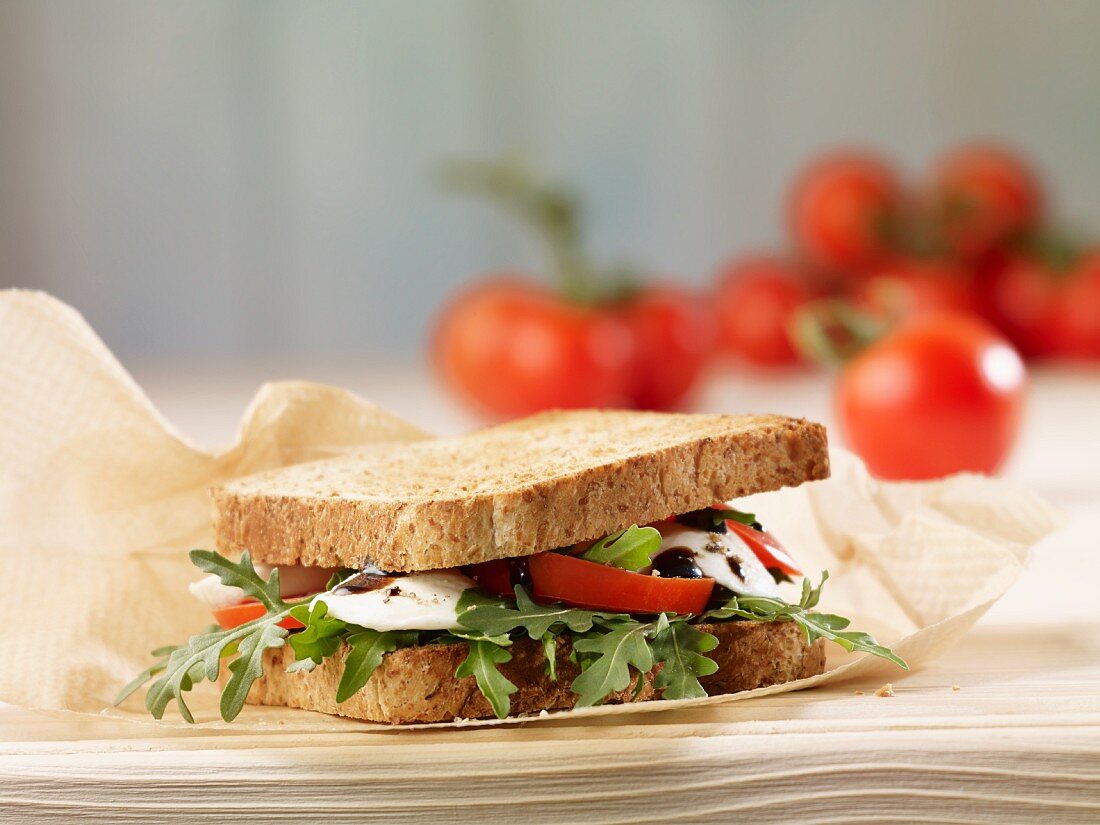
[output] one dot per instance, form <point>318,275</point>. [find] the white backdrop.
<point>209,179</point>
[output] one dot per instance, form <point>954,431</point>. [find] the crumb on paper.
<point>544,713</point>
<point>885,690</point>
<point>860,693</point>
<point>956,688</point>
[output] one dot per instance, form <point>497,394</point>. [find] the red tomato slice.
<point>766,547</point>
<point>494,576</point>
<point>581,583</point>
<point>237,614</point>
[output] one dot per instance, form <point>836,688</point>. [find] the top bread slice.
<point>531,485</point>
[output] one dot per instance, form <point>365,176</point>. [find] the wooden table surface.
<point>1004,728</point>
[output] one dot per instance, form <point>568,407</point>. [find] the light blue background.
<point>210,179</point>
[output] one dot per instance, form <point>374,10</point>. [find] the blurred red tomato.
<point>513,349</point>
<point>983,195</point>
<point>1024,303</point>
<point>1078,310</point>
<point>755,300</point>
<point>906,288</point>
<point>987,270</point>
<point>841,210</point>
<point>674,337</point>
<point>940,395</point>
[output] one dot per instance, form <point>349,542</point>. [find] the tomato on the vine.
<point>755,300</point>
<point>513,349</point>
<point>908,287</point>
<point>842,209</point>
<point>939,395</point>
<point>674,338</point>
<point>983,195</point>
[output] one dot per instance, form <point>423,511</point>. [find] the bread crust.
<point>417,684</point>
<point>520,488</point>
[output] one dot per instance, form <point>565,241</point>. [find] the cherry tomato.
<point>237,614</point>
<point>1078,311</point>
<point>755,300</point>
<point>940,395</point>
<point>767,548</point>
<point>1024,303</point>
<point>983,195</point>
<point>674,336</point>
<point>513,349</point>
<point>581,583</point>
<point>841,210</point>
<point>906,288</point>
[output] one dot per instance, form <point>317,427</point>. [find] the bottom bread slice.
<point>417,684</point>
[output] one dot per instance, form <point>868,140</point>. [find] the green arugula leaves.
<point>201,659</point>
<point>611,650</point>
<point>680,647</point>
<point>730,514</point>
<point>605,645</point>
<point>629,549</point>
<point>368,647</point>
<point>492,616</point>
<point>320,639</point>
<point>815,625</point>
<point>242,575</point>
<point>609,647</point>
<point>607,659</point>
<point>481,663</point>
<point>162,654</point>
<point>248,666</point>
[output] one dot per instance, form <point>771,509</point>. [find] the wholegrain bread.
<point>417,684</point>
<point>520,488</point>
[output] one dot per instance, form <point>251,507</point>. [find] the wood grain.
<point>1019,741</point>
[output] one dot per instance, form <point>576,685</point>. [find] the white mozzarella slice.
<point>210,590</point>
<point>294,580</point>
<point>417,601</point>
<point>723,557</point>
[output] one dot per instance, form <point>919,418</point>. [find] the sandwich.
<point>565,560</point>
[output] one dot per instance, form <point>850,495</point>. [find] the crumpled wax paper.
<point>101,499</point>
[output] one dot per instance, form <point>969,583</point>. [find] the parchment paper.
<point>100,500</point>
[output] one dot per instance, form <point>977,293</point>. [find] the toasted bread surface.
<point>417,684</point>
<point>520,488</point>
